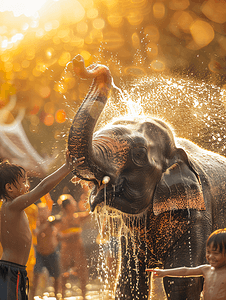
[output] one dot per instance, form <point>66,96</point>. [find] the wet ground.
<point>95,290</point>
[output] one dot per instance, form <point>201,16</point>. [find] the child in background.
<point>72,253</point>
<point>47,252</point>
<point>16,236</point>
<point>214,274</point>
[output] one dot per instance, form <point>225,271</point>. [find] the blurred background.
<point>168,57</point>
<point>138,39</point>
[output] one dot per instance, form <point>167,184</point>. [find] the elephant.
<point>170,191</point>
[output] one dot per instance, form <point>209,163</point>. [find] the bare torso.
<point>46,238</point>
<point>215,284</point>
<point>71,232</point>
<point>15,235</point>
<point>72,249</point>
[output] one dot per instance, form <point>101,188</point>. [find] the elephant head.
<point>140,157</point>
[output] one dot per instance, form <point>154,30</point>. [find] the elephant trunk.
<point>81,131</point>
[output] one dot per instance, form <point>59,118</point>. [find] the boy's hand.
<point>73,163</point>
<point>156,272</point>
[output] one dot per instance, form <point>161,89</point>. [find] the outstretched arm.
<point>47,184</point>
<point>180,272</point>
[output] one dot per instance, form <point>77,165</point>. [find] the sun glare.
<point>27,7</point>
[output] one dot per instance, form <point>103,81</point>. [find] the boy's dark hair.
<point>218,239</point>
<point>9,173</point>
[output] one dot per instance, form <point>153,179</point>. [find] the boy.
<point>214,274</point>
<point>15,231</point>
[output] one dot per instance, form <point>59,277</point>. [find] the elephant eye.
<point>139,156</point>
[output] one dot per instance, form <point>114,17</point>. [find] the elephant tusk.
<point>106,179</point>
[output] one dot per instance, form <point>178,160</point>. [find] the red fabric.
<point>17,285</point>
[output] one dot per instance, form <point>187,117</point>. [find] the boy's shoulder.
<point>4,204</point>
<point>7,206</point>
<point>206,269</point>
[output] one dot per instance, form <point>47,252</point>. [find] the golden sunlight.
<point>27,7</point>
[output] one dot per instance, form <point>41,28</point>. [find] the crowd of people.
<point>59,246</point>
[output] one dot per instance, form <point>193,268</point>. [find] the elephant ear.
<point>179,187</point>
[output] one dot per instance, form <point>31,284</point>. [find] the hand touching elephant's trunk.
<point>81,131</point>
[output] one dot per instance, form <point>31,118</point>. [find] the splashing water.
<point>116,225</point>
<point>196,111</point>
<point>134,108</point>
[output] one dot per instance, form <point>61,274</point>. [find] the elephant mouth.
<point>102,194</point>
<point>115,196</point>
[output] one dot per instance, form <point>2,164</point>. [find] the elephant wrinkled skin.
<point>175,188</point>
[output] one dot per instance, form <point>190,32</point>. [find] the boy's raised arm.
<point>179,272</point>
<point>47,184</point>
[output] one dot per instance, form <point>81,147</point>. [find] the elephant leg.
<point>133,281</point>
<point>187,251</point>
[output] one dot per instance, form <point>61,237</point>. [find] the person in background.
<point>16,236</point>
<point>47,251</point>
<point>72,253</point>
<point>214,274</point>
